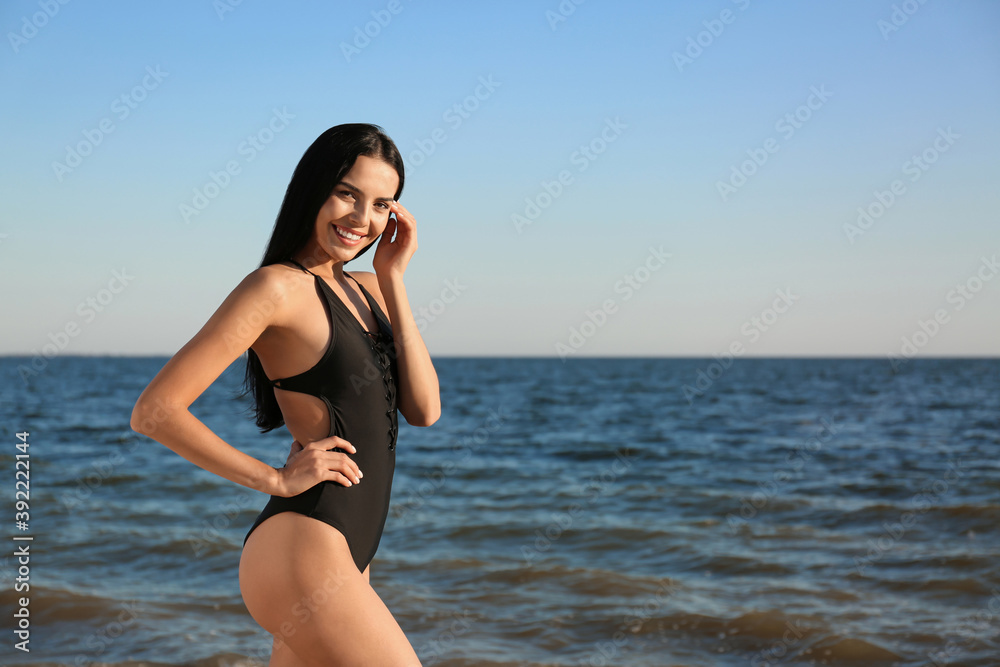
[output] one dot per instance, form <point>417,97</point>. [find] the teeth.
<point>347,235</point>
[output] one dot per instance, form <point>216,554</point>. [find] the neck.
<point>325,267</point>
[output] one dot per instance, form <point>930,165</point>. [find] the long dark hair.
<point>323,165</point>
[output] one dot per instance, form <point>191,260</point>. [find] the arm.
<point>161,411</point>
<point>419,395</point>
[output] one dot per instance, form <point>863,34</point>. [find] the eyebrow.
<point>356,189</point>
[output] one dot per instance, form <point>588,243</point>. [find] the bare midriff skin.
<point>297,576</point>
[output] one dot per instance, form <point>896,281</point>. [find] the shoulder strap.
<point>301,267</point>
<point>372,303</point>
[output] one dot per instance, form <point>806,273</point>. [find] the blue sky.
<point>580,188</point>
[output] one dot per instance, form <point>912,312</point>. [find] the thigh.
<point>282,656</point>
<point>300,583</point>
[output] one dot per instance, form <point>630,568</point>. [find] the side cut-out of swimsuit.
<point>356,379</point>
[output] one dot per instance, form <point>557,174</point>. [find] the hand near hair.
<point>392,256</point>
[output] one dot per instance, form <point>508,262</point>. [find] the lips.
<point>348,236</point>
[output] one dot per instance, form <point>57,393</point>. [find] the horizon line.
<point>539,356</point>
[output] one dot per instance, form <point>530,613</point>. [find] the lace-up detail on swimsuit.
<point>321,378</point>
<point>356,380</point>
<point>381,345</point>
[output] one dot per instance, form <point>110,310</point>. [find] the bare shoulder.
<point>272,285</point>
<point>370,281</point>
<point>254,305</point>
<point>279,272</point>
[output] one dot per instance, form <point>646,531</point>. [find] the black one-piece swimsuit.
<point>356,378</point>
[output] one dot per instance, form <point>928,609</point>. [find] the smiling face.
<point>358,209</point>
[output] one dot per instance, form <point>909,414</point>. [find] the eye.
<point>385,207</point>
<point>346,193</point>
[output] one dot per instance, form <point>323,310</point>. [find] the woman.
<point>332,355</point>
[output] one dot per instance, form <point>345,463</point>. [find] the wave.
<point>770,633</point>
<point>238,660</point>
<point>965,585</point>
<point>588,581</point>
<point>53,605</point>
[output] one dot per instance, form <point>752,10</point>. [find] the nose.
<point>360,215</point>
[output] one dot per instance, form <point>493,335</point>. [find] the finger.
<point>403,215</point>
<point>348,469</point>
<point>390,228</point>
<point>336,441</point>
<point>316,444</point>
<point>339,461</point>
<point>333,466</point>
<point>408,235</point>
<point>341,478</point>
<point>405,230</point>
<point>332,442</point>
<point>405,227</point>
<point>344,478</point>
